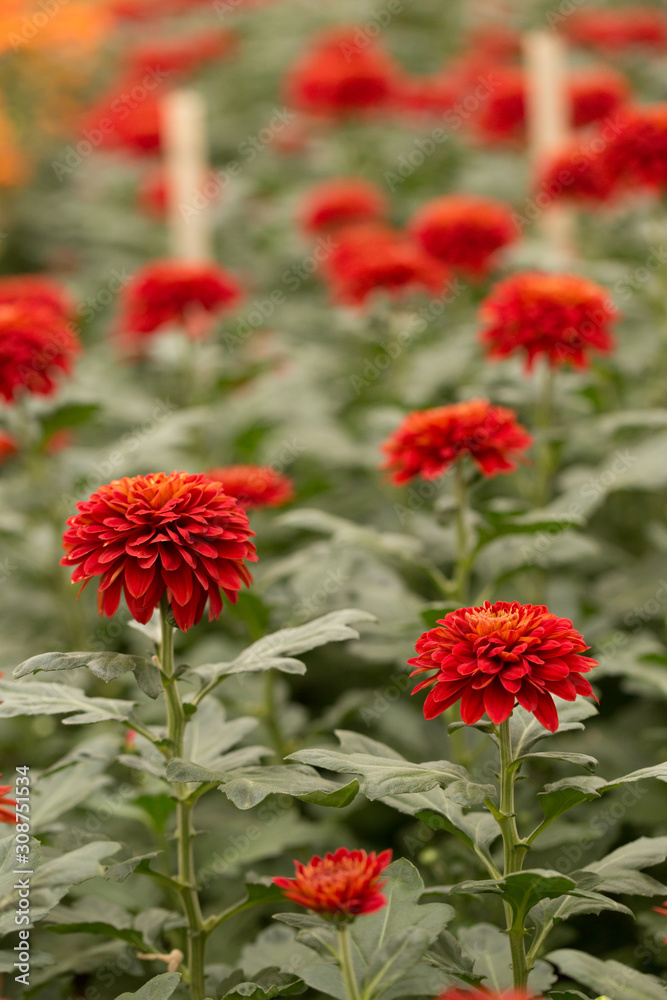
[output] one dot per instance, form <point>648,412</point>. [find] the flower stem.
<point>176,722</point>
<point>462,572</point>
<point>514,852</point>
<point>543,423</point>
<point>346,964</point>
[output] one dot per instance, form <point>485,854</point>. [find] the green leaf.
<point>132,937</point>
<point>68,415</point>
<point>526,730</point>
<point>159,988</point>
<point>582,759</point>
<point>277,651</point>
<point>523,890</point>
<point>658,771</point>
<point>120,871</point>
<point>106,666</point>
<point>269,983</point>
<point>56,793</point>
<point>384,775</point>
<point>400,952</point>
<point>560,796</point>
<point>489,951</point>
<point>570,995</point>
<point>614,978</point>
<point>18,699</point>
<point>619,871</point>
<point>258,893</point>
<point>249,786</point>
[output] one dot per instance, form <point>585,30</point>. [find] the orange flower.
<point>176,535</point>
<point>35,342</point>
<point>372,257</point>
<point>6,814</point>
<point>178,293</point>
<point>615,29</point>
<point>254,485</point>
<point>342,73</point>
<point>428,442</point>
<point>491,657</point>
<point>637,154</point>
<point>341,201</point>
<point>560,316</point>
<point>341,885</point>
<point>464,231</point>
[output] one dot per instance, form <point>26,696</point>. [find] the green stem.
<point>514,852</point>
<point>186,879</point>
<point>346,964</point>
<point>462,572</point>
<point>543,423</point>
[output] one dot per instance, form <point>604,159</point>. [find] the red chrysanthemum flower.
<point>596,93</point>
<point>464,231</point>
<point>37,290</point>
<point>35,343</point>
<point>177,535</point>
<point>343,73</point>
<point>491,657</point>
<point>429,441</point>
<point>576,173</point>
<point>179,55</point>
<point>426,95</point>
<point>254,485</point>
<point>373,257</point>
<point>344,885</point>
<point>154,190</point>
<point>615,29</point>
<point>178,293</point>
<point>501,116</point>
<point>6,814</point>
<point>128,116</point>
<point>8,446</point>
<point>637,154</point>
<point>340,202</point>
<point>561,316</point>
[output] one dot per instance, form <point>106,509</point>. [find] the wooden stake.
<point>188,211</point>
<point>548,123</point>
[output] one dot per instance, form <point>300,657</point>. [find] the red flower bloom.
<point>179,293</point>
<point>501,116</point>
<point>340,202</point>
<point>429,441</point>
<point>147,536</point>
<point>127,116</point>
<point>341,75</point>
<point>495,42</point>
<point>36,290</point>
<point>493,656</point>
<point>464,231</point>
<point>344,884</point>
<point>154,190</point>
<point>179,55</point>
<point>560,316</point>
<point>426,95</point>
<point>637,155</point>
<point>6,814</point>
<point>596,94</point>
<point>35,342</point>
<point>8,446</point>
<point>254,485</point>
<point>372,257</point>
<point>577,173</point>
<point>615,29</point>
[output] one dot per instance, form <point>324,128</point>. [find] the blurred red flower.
<point>560,316</point>
<point>177,535</point>
<point>8,446</point>
<point>576,173</point>
<point>6,814</point>
<point>464,231</point>
<point>428,442</point>
<point>341,201</point>
<point>496,655</point>
<point>344,884</point>
<point>179,55</point>
<point>342,73</point>
<point>38,290</point>
<point>615,29</point>
<point>127,116</point>
<point>636,156</point>
<point>177,293</point>
<point>426,95</point>
<point>596,93</point>
<point>35,343</point>
<point>254,485</point>
<point>373,257</point>
<point>501,115</point>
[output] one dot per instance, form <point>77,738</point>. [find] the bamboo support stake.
<point>548,123</point>
<point>184,134</point>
